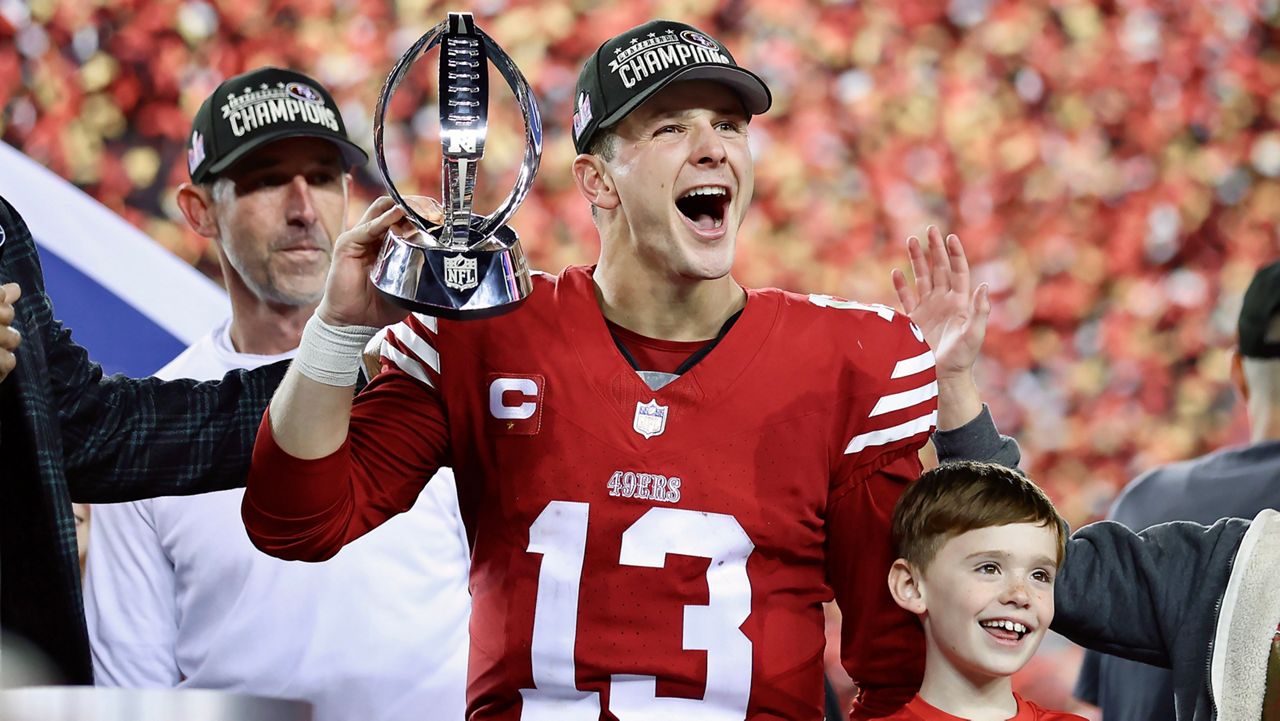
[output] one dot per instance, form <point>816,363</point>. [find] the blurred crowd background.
<point>1112,166</point>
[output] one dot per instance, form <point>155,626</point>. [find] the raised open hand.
<point>953,320</point>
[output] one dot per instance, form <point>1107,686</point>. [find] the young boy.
<point>979,548</point>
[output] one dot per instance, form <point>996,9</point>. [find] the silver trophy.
<point>472,265</point>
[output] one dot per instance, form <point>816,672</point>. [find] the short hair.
<point>604,146</point>
<point>963,496</point>
<point>219,187</point>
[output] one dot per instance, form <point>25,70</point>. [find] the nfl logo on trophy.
<point>460,272</point>
<point>650,420</point>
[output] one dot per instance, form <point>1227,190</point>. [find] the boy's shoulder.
<point>917,709</point>
<point>1029,711</point>
<point>920,710</point>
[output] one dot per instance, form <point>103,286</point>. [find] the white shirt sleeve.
<point>129,599</point>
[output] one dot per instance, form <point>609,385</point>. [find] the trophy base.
<point>421,274</point>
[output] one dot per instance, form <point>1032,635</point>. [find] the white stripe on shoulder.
<point>912,366</point>
<point>416,343</point>
<point>429,321</point>
<point>889,435</point>
<point>905,399</point>
<point>405,363</point>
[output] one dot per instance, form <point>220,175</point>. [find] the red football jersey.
<point>920,710</point>
<point>642,554</point>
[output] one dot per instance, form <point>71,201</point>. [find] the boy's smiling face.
<point>986,599</point>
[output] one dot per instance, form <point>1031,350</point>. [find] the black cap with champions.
<point>259,107</point>
<point>628,69</point>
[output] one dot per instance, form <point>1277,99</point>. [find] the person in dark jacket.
<point>1202,601</point>
<point>67,433</point>
<point>1238,481</point>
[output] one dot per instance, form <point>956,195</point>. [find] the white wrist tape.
<point>331,354</point>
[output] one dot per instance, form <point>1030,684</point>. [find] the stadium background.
<point>1112,167</point>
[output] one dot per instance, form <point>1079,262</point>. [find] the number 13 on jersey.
<point>559,535</point>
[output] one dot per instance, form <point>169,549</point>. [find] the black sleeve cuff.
<point>977,440</point>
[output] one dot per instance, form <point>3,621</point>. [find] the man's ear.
<point>197,208</point>
<point>904,586</point>
<point>591,175</point>
<point>1237,374</point>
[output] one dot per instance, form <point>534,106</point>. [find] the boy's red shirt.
<point>919,710</point>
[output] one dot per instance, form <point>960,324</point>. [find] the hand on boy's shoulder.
<point>920,710</point>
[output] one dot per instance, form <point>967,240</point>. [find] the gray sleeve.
<point>977,440</point>
<point>1138,595</point>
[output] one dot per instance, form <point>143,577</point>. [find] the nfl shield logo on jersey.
<point>651,419</point>
<point>460,272</point>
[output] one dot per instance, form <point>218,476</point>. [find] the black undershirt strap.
<point>693,358</point>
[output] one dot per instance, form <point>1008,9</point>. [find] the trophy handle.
<point>463,122</point>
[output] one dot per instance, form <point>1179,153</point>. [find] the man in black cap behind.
<point>1240,481</point>
<point>664,474</point>
<point>168,579</point>
<point>269,158</point>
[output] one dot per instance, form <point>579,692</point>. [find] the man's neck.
<point>1264,423</point>
<point>262,328</point>
<point>978,699</point>
<point>658,307</point>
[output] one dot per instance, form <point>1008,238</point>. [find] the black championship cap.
<point>260,107</point>
<point>630,68</point>
<point>1258,314</point>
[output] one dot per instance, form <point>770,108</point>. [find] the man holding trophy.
<point>663,474</point>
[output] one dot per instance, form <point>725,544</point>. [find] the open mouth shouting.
<point>1006,631</point>
<point>704,208</point>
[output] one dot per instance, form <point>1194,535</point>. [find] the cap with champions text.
<point>259,107</point>
<point>1260,314</point>
<point>628,69</point>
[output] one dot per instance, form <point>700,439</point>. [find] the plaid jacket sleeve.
<point>124,439</point>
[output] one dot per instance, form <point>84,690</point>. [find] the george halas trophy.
<point>472,265</point>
